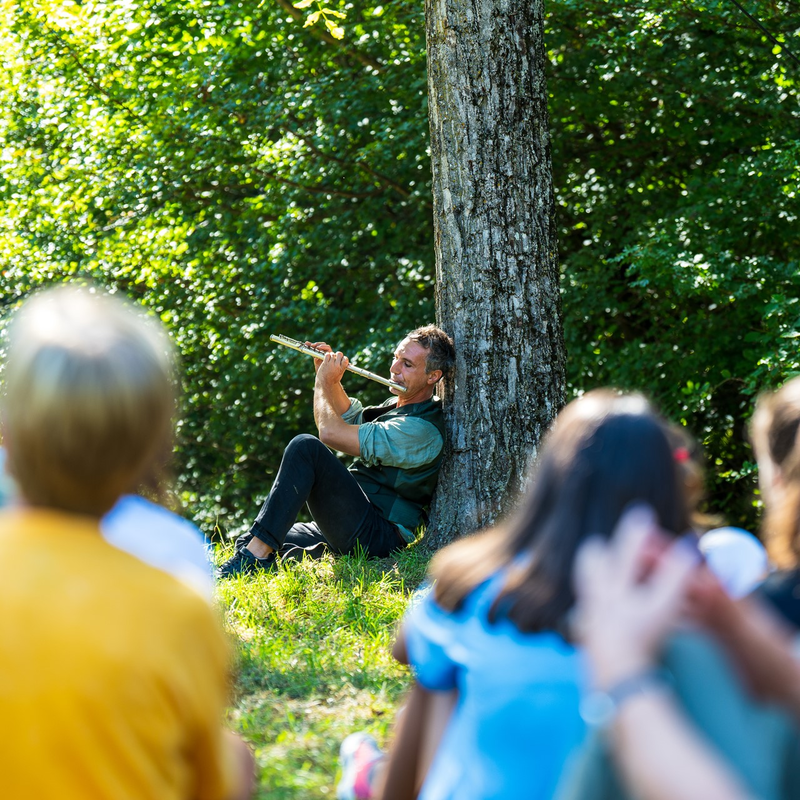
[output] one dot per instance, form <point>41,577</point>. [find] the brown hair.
<point>775,433</point>
<point>89,399</point>
<point>690,463</point>
<point>604,452</point>
<point>441,352</point>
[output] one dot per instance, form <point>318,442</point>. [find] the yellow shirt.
<point>113,675</point>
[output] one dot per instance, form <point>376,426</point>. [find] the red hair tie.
<point>681,454</point>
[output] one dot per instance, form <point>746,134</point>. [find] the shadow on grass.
<point>314,662</point>
<point>408,565</point>
<point>307,673</point>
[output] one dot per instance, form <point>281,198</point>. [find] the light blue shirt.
<point>517,720</point>
<point>405,442</point>
<point>162,539</point>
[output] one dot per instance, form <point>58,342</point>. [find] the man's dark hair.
<point>441,352</point>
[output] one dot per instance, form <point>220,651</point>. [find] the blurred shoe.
<point>243,562</point>
<point>361,759</point>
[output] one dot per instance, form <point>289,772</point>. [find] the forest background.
<point>242,173</point>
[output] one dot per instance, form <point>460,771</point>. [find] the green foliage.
<point>315,664</point>
<point>676,157</point>
<point>238,175</point>
<point>329,16</point>
<point>241,174</point>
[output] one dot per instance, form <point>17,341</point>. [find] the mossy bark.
<point>497,270</point>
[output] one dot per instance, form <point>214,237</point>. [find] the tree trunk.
<point>497,272</point>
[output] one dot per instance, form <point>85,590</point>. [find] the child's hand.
<point>630,595</point>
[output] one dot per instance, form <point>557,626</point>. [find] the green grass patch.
<point>314,662</point>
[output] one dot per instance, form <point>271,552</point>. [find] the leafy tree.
<point>240,174</point>
<point>676,138</point>
<point>497,287</point>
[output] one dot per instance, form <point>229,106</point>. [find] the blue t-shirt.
<point>517,720</point>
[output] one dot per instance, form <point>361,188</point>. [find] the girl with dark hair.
<point>726,725</point>
<point>495,626</point>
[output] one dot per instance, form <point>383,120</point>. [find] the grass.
<point>314,662</point>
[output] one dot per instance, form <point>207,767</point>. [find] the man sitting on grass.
<point>114,674</point>
<point>379,502</point>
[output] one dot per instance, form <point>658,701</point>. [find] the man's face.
<point>408,369</point>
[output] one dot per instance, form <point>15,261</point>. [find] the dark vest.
<point>401,495</point>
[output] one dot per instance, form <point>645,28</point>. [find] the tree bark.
<point>497,271</point>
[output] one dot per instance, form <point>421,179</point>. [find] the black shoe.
<point>243,562</point>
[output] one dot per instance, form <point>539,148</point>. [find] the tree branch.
<point>366,60</point>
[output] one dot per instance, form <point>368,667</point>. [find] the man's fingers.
<point>320,346</point>
<point>331,362</point>
<point>340,359</point>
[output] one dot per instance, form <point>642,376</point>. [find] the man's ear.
<point>434,377</point>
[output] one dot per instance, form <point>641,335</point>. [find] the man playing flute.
<point>380,500</point>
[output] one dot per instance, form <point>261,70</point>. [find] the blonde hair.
<point>775,433</point>
<point>89,399</point>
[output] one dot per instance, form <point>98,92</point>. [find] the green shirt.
<point>399,442</point>
<point>403,442</point>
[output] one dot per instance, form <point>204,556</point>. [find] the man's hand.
<point>330,402</point>
<point>331,369</point>
<point>319,346</point>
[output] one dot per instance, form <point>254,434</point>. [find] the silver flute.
<point>312,351</point>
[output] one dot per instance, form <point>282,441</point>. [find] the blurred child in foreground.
<point>726,725</point>
<point>114,674</point>
<point>151,532</point>
<point>495,628</point>
<point>624,621</point>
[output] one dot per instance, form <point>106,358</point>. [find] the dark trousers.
<point>343,517</point>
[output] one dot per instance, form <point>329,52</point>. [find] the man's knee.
<point>304,445</point>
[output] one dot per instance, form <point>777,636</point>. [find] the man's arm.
<point>330,402</point>
<point>339,398</point>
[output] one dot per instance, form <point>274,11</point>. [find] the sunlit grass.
<point>314,662</point>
